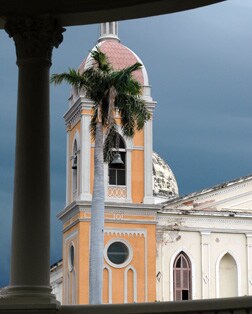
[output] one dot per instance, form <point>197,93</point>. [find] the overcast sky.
<point>199,64</point>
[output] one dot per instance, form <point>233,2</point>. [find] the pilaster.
<point>67,166</point>
<point>249,262</point>
<point>85,189</point>
<point>205,265</point>
<point>148,188</point>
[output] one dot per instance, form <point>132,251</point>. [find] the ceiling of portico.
<point>80,12</point>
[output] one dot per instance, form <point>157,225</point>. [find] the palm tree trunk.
<point>97,222</point>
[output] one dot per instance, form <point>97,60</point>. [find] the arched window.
<point>228,277</point>
<point>182,278</point>
<point>117,171</point>
<point>71,275</point>
<point>74,167</point>
<point>71,258</point>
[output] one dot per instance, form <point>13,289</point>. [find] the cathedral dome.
<point>119,55</point>
<point>164,181</point>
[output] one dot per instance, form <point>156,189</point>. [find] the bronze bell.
<point>117,159</point>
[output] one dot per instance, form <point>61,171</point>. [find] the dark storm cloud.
<point>200,68</point>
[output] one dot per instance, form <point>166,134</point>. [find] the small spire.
<point>109,30</point>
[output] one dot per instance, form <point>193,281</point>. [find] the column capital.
<point>34,38</point>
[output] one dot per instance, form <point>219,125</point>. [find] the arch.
<point>107,284</point>
<point>128,142</point>
<point>75,163</point>
<point>77,139</point>
<point>75,168</point>
<point>132,280</point>
<point>71,274</point>
<point>71,257</point>
<point>171,279</point>
<point>182,277</point>
<point>227,276</point>
<point>117,171</point>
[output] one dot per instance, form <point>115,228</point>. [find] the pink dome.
<point>120,57</point>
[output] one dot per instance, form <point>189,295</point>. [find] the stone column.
<point>30,254</point>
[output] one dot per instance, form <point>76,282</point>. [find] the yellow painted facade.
<point>130,216</point>
<point>134,226</point>
<point>133,282</point>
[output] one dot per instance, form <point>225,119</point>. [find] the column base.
<point>28,295</point>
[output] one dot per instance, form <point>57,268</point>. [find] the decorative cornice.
<point>226,190</point>
<point>34,38</point>
<point>200,224</point>
<point>125,211</point>
<point>110,206</point>
<point>118,210</point>
<point>72,115</point>
<point>150,104</point>
<point>211,214</point>
<point>211,192</point>
<point>124,222</point>
<point>223,201</point>
<point>76,109</point>
<point>125,232</point>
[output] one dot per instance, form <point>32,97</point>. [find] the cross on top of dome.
<point>109,30</point>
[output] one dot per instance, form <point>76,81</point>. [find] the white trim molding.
<point>85,157</point>
<point>110,300</point>
<point>126,284</point>
<point>129,258</point>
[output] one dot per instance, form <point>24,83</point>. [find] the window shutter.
<point>178,279</point>
<point>185,279</point>
<point>182,278</point>
<point>178,295</point>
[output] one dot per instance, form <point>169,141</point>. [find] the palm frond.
<point>111,90</point>
<point>73,78</point>
<point>101,60</point>
<point>133,112</point>
<point>124,82</point>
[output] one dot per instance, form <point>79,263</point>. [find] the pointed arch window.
<point>182,278</point>
<point>74,167</point>
<point>228,273</point>
<point>116,171</point>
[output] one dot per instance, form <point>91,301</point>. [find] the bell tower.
<point>132,182</point>
<point>130,213</point>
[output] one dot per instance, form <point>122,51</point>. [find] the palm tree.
<point>111,91</point>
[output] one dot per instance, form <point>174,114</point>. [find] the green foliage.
<point>111,91</point>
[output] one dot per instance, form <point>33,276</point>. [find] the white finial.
<point>109,30</point>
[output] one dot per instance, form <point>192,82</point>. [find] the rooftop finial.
<point>109,30</point>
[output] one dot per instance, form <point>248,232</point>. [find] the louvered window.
<point>182,282</point>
